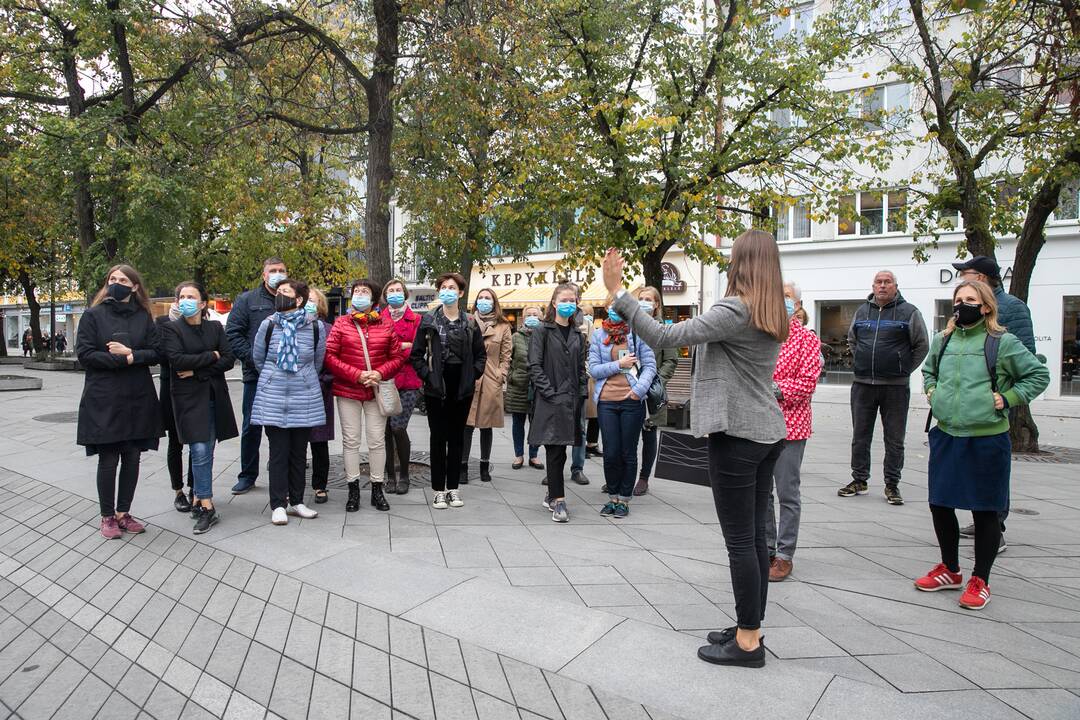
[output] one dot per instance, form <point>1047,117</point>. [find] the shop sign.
<point>672,281</point>
<point>947,275</point>
<point>543,277</point>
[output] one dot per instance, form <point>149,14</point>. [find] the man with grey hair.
<point>888,341</point>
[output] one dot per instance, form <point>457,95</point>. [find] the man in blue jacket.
<point>248,312</point>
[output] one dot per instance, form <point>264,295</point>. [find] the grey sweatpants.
<point>786,479</point>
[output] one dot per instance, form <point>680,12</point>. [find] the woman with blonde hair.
<point>974,373</point>
<point>738,340</point>
<point>486,411</point>
<point>667,361</point>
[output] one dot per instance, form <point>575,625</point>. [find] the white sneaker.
<point>302,510</point>
<point>279,517</point>
<point>439,502</point>
<point>454,499</point>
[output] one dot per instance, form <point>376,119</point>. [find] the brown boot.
<point>780,569</point>
<point>642,486</point>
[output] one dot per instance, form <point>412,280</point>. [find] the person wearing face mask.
<point>974,373</point>
<point>557,352</point>
<point>119,413</point>
<point>519,390</point>
<point>248,312</point>
<point>288,354</point>
<point>449,357</point>
<point>398,315</point>
<point>174,457</point>
<point>362,350</point>
<point>321,436</point>
<point>667,361</point>
<point>486,411</point>
<point>199,354</point>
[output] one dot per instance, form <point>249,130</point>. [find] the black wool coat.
<point>560,385</point>
<point>192,347</point>
<point>119,401</point>
<point>165,394</point>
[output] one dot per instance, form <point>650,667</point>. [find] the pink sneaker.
<point>129,524</point>
<point>110,530</point>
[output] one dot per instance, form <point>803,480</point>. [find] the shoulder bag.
<point>386,394</point>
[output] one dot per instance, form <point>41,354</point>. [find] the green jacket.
<point>962,401</point>
<point>516,398</point>
<point>667,360</point>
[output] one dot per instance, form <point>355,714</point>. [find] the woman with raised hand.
<point>321,436</point>
<point>199,356</point>
<point>738,340</point>
<point>288,354</point>
<point>519,388</point>
<point>119,413</point>
<point>667,361</point>
<point>397,313</point>
<point>486,411</point>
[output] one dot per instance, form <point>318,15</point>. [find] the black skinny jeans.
<point>556,462</point>
<point>487,435</point>
<point>174,458</point>
<point>114,496</point>
<point>987,539</point>
<point>740,472</point>
<point>446,422</point>
<point>650,440</point>
<point>288,455</point>
<point>397,441</point>
<point>592,432</point>
<point>320,464</point>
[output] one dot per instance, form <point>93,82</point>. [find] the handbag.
<point>656,397</point>
<point>386,394</point>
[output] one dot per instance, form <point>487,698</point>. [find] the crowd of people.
<point>574,385</point>
<point>51,343</point>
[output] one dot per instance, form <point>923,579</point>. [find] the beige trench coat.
<point>487,405</point>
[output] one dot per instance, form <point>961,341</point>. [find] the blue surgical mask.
<point>566,309</point>
<point>790,305</point>
<point>589,320</point>
<point>484,306</point>
<point>361,302</point>
<point>532,321</point>
<point>448,296</point>
<point>614,316</point>
<point>275,279</point>
<point>646,306</point>
<point>188,307</point>
<point>396,299</point>
<point>311,308</point>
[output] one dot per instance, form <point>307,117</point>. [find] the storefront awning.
<point>595,295</point>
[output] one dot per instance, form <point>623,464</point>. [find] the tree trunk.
<point>654,274</point>
<point>380,173</point>
<point>80,174</point>
<point>29,290</point>
<point>1023,432</point>
<point>466,263</point>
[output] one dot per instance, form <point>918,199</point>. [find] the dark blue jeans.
<point>250,438</point>
<point>518,431</point>
<point>620,428</point>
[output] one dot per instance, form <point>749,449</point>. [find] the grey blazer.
<point>731,389</point>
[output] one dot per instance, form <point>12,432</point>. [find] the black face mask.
<point>119,292</point>
<point>284,303</point>
<point>967,315</point>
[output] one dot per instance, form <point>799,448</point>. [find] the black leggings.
<point>174,458</point>
<point>320,464</point>
<point>987,539</point>
<point>487,435</point>
<point>113,497</point>
<point>397,441</point>
<point>592,432</point>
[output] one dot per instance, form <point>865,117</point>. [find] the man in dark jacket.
<point>248,312</point>
<point>1013,313</point>
<point>888,340</point>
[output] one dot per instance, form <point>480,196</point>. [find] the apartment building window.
<point>872,213</point>
<point>881,104</point>
<point>792,221</point>
<point>1069,202</point>
<point>798,20</point>
<point>886,16</point>
<point>786,117</point>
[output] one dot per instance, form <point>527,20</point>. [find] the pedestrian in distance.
<point>667,361</point>
<point>486,411</point>
<point>321,436</point>
<point>119,413</point>
<point>397,313</point>
<point>519,389</point>
<point>975,372</point>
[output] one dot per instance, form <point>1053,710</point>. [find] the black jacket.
<point>560,384</point>
<point>426,357</point>
<point>191,347</point>
<point>165,394</point>
<point>247,314</point>
<point>119,401</point>
<point>888,343</point>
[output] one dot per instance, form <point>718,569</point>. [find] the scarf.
<point>288,356</point>
<point>396,313</point>
<point>366,318</point>
<point>488,318</point>
<point>616,332</point>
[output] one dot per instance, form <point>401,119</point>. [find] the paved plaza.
<point>493,611</point>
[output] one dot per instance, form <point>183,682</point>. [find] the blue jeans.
<point>250,439</point>
<point>620,427</point>
<point>202,463</point>
<point>518,432</point>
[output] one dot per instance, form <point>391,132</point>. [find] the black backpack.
<point>990,353</point>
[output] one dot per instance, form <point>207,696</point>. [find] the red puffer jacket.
<point>345,354</point>
<point>406,329</point>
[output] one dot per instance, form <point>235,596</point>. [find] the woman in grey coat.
<point>288,353</point>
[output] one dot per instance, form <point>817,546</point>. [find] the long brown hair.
<point>658,310</point>
<point>754,276</point>
<point>497,308</point>
<point>549,313</point>
<point>986,297</point>
<point>141,296</point>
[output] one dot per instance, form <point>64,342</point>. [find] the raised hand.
<point>613,270</point>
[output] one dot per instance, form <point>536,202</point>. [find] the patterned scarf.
<point>366,318</point>
<point>616,332</point>
<point>288,356</point>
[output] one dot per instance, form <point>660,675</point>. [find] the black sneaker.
<point>579,478</point>
<point>181,503</point>
<point>730,653</point>
<point>968,531</point>
<point>855,487</point>
<point>719,637</point>
<point>892,494</point>
<point>206,520</point>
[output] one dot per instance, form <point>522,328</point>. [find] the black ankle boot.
<point>353,503</point>
<point>463,479</point>
<point>402,486</point>
<point>389,481</point>
<point>378,500</point>
<point>485,471</point>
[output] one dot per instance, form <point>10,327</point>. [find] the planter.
<point>62,364</point>
<point>15,383</point>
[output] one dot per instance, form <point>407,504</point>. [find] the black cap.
<point>981,264</point>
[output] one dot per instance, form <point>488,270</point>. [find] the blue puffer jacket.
<point>1015,316</point>
<point>601,366</point>
<point>283,399</point>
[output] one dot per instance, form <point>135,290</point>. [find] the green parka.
<point>516,399</point>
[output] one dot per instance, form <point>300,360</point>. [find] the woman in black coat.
<point>119,415</point>
<point>174,456</point>
<point>199,356</point>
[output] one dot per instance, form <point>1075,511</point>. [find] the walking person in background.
<point>486,411</point>
<point>248,312</point>
<point>362,351</point>
<point>975,372</point>
<point>317,307</point>
<point>519,388</point>
<point>667,361</point>
<point>623,367</point>
<point>738,341</point>
<point>888,340</point>
<point>405,322</point>
<point>449,357</point>
<point>198,353</point>
<point>119,413</point>
<point>797,369</point>
<point>288,354</point>
<point>557,352</point>
<point>27,343</point>
<point>174,454</point>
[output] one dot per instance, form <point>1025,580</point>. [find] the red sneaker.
<point>130,524</point>
<point>940,578</point>
<point>109,529</point>
<point>976,595</point>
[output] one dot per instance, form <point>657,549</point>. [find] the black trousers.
<point>740,472</point>
<point>320,464</point>
<point>397,441</point>
<point>592,431</point>
<point>174,458</point>
<point>487,436</point>
<point>987,539</point>
<point>115,494</point>
<point>446,421</point>
<point>288,455</point>
<point>555,455</point>
<point>867,402</point>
